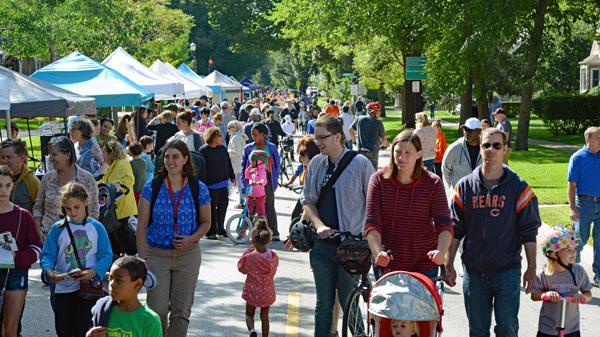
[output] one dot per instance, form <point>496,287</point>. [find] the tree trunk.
<point>535,46</point>
<point>466,98</point>
<point>481,93</point>
<point>381,98</point>
<point>52,50</point>
<point>409,105</point>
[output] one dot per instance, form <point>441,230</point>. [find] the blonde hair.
<point>76,191</point>
<point>211,134</point>
<point>115,148</point>
<point>421,119</point>
<point>166,115</point>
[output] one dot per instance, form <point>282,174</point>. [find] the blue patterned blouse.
<point>160,231</point>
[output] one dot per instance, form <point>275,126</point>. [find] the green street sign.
<point>347,74</point>
<point>416,60</point>
<point>415,68</point>
<point>415,75</point>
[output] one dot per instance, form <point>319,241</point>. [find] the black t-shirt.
<point>293,113</point>
<point>359,106</point>
<point>163,132</point>
<point>473,154</point>
<point>244,116</point>
<point>275,131</point>
<point>218,166</point>
<point>328,207</point>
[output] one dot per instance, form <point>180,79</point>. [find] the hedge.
<point>511,108</point>
<point>568,114</point>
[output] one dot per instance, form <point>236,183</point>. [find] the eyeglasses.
<point>323,137</point>
<point>496,146</point>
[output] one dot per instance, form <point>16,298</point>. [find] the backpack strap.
<point>197,141</point>
<point>195,193</point>
<point>156,183</point>
<point>346,159</point>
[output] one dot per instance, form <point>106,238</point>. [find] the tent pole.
<point>8,133</point>
<point>30,141</point>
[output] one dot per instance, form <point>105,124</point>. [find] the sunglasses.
<point>496,146</point>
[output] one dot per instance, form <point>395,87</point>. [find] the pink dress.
<point>260,268</point>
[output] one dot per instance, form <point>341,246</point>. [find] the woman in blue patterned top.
<point>168,239</point>
<point>89,155</point>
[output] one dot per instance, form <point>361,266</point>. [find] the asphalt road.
<point>219,309</point>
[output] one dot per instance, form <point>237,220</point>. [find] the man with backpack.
<point>191,138</point>
<point>334,199</point>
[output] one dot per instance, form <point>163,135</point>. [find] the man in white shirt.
<point>191,138</point>
<point>288,126</point>
<point>348,120</point>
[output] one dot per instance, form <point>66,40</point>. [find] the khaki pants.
<point>173,297</point>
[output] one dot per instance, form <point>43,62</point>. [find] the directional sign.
<point>415,68</point>
<point>347,74</point>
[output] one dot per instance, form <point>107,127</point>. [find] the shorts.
<point>17,279</point>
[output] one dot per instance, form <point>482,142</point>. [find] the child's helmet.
<point>260,155</point>
<point>559,238</point>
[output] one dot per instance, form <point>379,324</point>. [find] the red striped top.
<point>409,218</point>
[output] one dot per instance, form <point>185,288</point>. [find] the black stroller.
<point>121,235</point>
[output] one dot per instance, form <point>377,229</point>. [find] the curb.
<point>587,254</point>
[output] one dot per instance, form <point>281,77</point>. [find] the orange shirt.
<point>440,146</point>
<point>332,110</point>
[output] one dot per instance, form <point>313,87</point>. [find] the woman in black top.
<point>274,128</point>
<point>164,130</point>
<point>219,173</point>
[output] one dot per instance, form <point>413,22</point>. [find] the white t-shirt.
<point>288,128</point>
<point>188,139</point>
<point>348,119</point>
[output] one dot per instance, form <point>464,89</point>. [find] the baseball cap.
<point>499,111</point>
<point>255,111</point>
<point>472,123</point>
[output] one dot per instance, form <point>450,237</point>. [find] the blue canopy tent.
<point>187,71</point>
<point>247,82</point>
<point>85,76</point>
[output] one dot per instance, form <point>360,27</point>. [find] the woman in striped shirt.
<point>407,212</point>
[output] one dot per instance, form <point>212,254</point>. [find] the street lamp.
<point>193,50</point>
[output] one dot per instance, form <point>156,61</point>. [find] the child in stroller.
<point>406,304</point>
<point>122,238</point>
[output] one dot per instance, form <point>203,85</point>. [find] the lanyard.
<point>175,206</point>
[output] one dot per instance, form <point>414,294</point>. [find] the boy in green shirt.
<point>121,314</point>
<point>138,165</point>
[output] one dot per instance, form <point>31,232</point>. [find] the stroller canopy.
<point>407,296</point>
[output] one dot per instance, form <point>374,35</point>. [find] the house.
<point>589,69</point>
<point>26,66</point>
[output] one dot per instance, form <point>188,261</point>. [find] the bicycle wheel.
<point>284,176</point>
<point>238,228</point>
<point>355,316</point>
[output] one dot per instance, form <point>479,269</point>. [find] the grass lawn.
<point>544,169</point>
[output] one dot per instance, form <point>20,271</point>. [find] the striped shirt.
<point>409,218</point>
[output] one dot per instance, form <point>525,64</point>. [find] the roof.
<point>85,76</point>
<point>193,89</point>
<point>134,70</point>
<point>594,57</point>
<point>32,98</point>
<point>218,79</point>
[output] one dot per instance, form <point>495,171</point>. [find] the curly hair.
<point>115,148</point>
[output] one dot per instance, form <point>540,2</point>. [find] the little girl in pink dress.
<point>256,174</point>
<point>259,264</point>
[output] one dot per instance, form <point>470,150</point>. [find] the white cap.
<point>472,123</point>
<point>288,118</point>
<point>255,111</point>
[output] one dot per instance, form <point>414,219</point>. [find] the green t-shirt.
<point>142,322</point>
<point>139,172</point>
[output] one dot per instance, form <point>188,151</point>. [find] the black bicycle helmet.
<point>303,235</point>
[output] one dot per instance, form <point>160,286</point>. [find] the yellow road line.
<point>293,315</point>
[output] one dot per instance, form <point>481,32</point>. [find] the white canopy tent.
<point>222,84</point>
<point>191,89</point>
<point>5,100</point>
<point>162,87</point>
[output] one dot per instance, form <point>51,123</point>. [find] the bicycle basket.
<point>354,255</point>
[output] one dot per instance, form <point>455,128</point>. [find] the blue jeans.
<point>589,211</point>
<point>328,275</point>
<point>429,165</point>
<point>498,292</point>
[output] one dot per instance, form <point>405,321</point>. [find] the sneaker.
<point>222,233</point>
<point>212,237</point>
<point>238,206</point>
<point>253,333</point>
<point>276,238</point>
<point>596,283</point>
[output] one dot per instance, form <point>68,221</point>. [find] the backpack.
<point>197,141</point>
<point>193,183</point>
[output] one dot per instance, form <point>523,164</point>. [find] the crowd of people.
<point>176,165</point>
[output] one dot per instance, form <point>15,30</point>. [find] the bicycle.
<point>294,188</point>
<point>239,226</point>
<point>286,154</point>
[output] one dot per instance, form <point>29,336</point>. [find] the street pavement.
<point>219,309</point>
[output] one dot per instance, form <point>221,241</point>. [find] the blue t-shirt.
<point>583,171</point>
<point>149,166</point>
<point>310,127</point>
<point>160,232</point>
<point>299,170</point>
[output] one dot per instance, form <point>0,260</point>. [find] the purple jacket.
<point>274,163</point>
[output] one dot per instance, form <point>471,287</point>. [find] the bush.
<point>511,108</point>
<point>568,114</point>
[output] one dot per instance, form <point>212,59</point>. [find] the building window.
<point>582,79</point>
<point>595,77</point>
